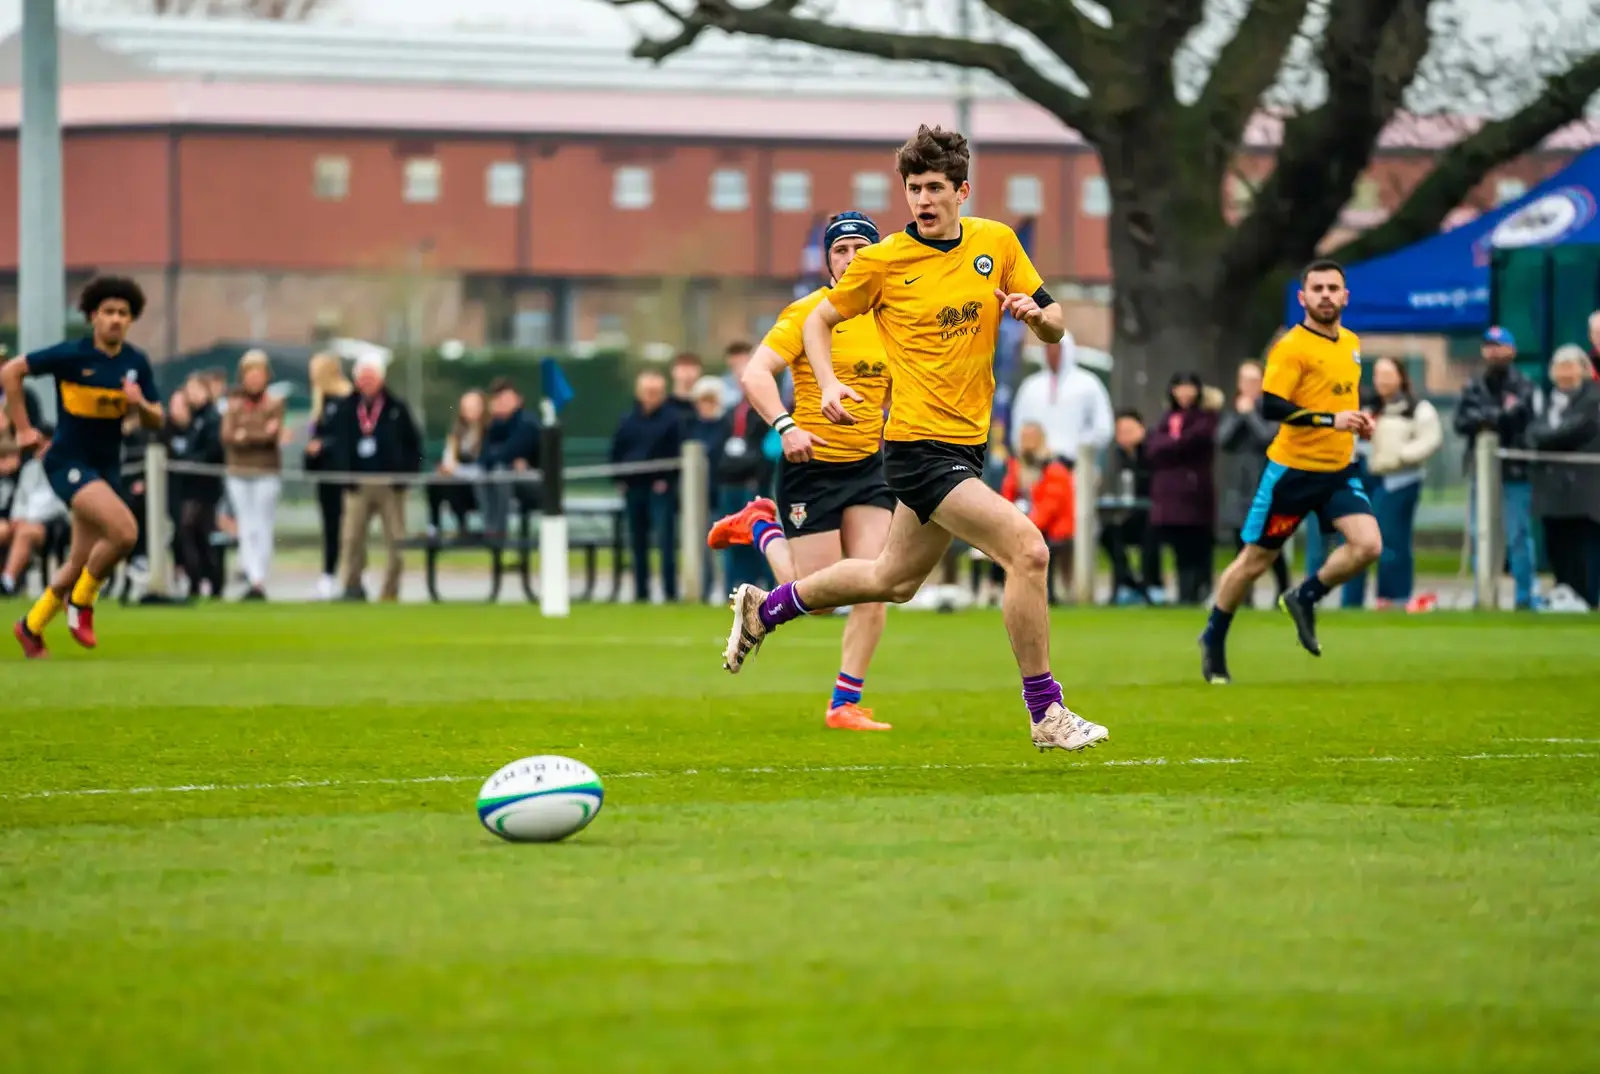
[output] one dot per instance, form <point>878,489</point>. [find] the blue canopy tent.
<point>1442,284</point>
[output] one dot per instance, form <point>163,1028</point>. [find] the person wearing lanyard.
<point>832,497</point>
<point>374,434</point>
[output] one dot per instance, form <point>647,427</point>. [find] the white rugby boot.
<point>748,630</point>
<point>1063,729</point>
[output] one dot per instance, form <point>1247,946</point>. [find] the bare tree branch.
<point>776,20</point>
<point>1061,28</point>
<point>1247,67</point>
<point>1167,23</point>
<point>1371,51</point>
<point>1464,165</point>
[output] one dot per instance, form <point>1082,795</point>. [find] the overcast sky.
<point>1506,23</point>
<point>1486,15</point>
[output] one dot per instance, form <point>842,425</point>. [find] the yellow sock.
<point>87,589</point>
<point>44,609</point>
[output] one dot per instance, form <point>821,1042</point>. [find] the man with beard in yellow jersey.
<point>832,499</point>
<point>937,291</point>
<point>1311,386</point>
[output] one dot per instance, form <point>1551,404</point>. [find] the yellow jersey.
<point>1319,373</point>
<point>939,319</point>
<point>858,361</point>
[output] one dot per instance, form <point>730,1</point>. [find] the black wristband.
<point>783,423</point>
<point>1277,408</point>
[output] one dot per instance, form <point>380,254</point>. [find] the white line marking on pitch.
<point>200,788</point>
<point>1459,757</point>
<point>307,784</point>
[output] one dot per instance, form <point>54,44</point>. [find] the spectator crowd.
<point>1175,485</point>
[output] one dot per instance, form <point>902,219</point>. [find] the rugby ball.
<point>540,799</point>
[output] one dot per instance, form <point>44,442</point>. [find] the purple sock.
<point>782,605</point>
<point>1039,692</point>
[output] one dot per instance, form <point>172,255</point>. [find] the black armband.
<point>1277,408</point>
<point>1041,298</point>
<point>783,423</point>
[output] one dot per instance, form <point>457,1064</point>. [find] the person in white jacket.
<point>1407,433</point>
<point>1068,402</point>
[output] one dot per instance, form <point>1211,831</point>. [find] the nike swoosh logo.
<point>912,279</point>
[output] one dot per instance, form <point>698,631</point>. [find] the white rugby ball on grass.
<point>540,799</point>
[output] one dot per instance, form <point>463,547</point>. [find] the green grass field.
<point>243,839</point>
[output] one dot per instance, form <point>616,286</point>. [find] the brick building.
<point>269,181</point>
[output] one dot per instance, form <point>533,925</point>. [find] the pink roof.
<point>576,111</point>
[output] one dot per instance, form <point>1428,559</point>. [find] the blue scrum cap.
<point>849,225</point>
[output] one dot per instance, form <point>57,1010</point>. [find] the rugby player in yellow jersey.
<point>1312,379</point>
<point>832,499</point>
<point>937,291</point>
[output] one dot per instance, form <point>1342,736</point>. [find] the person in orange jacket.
<point>1042,488</point>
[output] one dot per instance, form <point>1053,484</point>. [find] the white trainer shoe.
<point>748,630</point>
<point>1063,729</point>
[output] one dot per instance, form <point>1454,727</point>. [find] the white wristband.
<point>783,423</point>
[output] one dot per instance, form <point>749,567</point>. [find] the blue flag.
<point>553,384</point>
<point>1008,351</point>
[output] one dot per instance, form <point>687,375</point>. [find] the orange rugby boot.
<point>852,717</point>
<point>736,528</point>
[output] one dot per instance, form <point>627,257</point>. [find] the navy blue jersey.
<point>90,398</point>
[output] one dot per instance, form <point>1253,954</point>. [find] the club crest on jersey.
<point>983,264</point>
<point>797,514</point>
<point>1356,354</point>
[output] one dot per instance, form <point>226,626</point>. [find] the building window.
<point>730,190</point>
<point>870,192</point>
<point>791,192</point>
<point>531,329</point>
<point>330,178</point>
<point>503,183</point>
<point>422,180</point>
<point>1024,195</point>
<point>1096,197</point>
<point>631,188</point>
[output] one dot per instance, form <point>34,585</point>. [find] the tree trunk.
<point>1165,318</point>
<point>1255,317</point>
<point>1166,235</point>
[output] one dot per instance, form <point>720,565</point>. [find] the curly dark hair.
<point>102,289</point>
<point>934,149</point>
